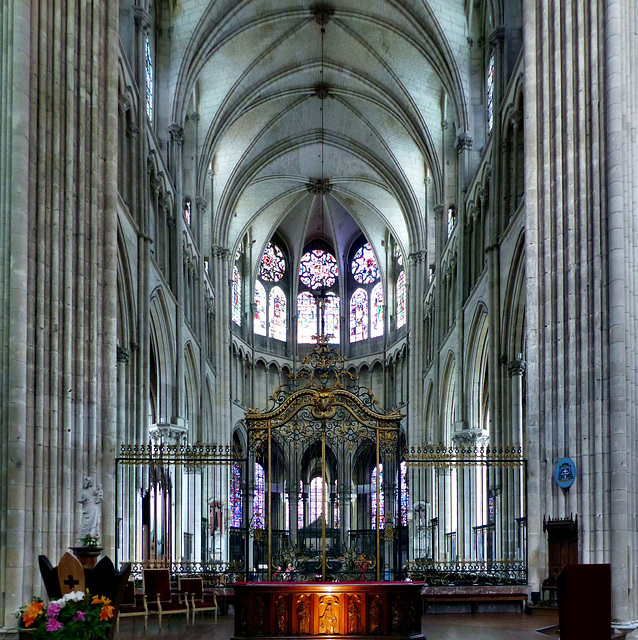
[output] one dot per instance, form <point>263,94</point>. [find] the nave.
<point>497,626</point>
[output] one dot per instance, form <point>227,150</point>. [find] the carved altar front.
<point>304,609</point>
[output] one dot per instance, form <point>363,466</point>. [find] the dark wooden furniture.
<point>132,605</point>
<point>474,596</point>
<point>102,580</point>
<point>562,549</point>
<point>198,600</point>
<point>158,596</point>
<point>356,609</point>
<point>584,602</point>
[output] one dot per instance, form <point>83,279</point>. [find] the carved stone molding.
<point>201,205</point>
<point>438,211</point>
<point>177,133</point>
<point>123,354</point>
<point>133,131</point>
<point>470,438</point>
<point>142,18</point>
<point>123,103</point>
<point>464,142</point>
<point>497,36</point>
<point>166,433</point>
<point>516,367</point>
<point>319,186</point>
<point>322,14</point>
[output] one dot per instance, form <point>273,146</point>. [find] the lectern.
<point>584,602</point>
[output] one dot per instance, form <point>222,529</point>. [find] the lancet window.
<point>236,504</point>
<point>236,311</point>
<point>489,94</point>
<point>149,79</point>
<point>270,300</point>
<point>318,307</point>
<point>377,506</point>
<point>367,303</point>
<point>259,498</point>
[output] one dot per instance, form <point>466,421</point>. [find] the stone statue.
<point>91,500</point>
<point>303,616</point>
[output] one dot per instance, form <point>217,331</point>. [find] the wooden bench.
<point>474,596</point>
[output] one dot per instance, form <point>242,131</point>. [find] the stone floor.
<point>482,626</point>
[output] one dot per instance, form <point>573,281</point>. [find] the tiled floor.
<point>497,626</point>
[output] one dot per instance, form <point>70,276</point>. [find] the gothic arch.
<point>162,341</point>
<point>477,371</point>
<point>448,401</point>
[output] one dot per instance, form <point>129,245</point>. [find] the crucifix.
<point>322,297</point>
<point>71,582</point>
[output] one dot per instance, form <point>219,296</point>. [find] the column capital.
<point>201,204</point>
<point>497,36</point>
<point>517,366</point>
<point>176,133</point>
<point>142,18</point>
<point>464,142</point>
<point>438,210</point>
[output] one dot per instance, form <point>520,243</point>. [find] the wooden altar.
<point>305,609</point>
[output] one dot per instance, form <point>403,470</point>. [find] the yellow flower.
<point>32,612</point>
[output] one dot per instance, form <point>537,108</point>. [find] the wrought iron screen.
<point>469,515</point>
<point>327,479</point>
<point>172,510</point>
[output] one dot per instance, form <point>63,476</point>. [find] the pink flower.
<point>79,615</point>
<point>53,625</point>
<point>53,609</point>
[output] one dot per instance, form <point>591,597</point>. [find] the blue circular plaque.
<point>565,473</point>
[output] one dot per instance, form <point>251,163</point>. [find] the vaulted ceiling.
<point>320,119</point>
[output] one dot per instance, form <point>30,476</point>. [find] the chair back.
<point>192,585</point>
<point>157,581</point>
<point>129,593</point>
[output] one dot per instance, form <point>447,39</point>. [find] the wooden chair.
<point>158,596</point>
<point>193,590</point>
<point>132,606</point>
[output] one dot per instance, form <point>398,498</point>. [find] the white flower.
<point>62,602</point>
<point>74,596</point>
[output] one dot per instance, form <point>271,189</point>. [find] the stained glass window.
<point>489,94</point>
<point>236,503</point>
<point>399,257</point>
<point>273,265</point>
<point>381,504</point>
<point>259,498</point>
<point>187,212</point>
<point>359,315</point>
<point>376,328</point>
<point>451,220</point>
<point>401,300</point>
<point>404,502</point>
<point>318,269</point>
<point>300,506</point>
<point>316,505</point>
<point>236,295</point>
<point>260,309</point>
<point>337,515</point>
<point>306,317</point>
<point>277,314</point>
<point>331,318</point>
<point>365,269</point>
<point>149,80</point>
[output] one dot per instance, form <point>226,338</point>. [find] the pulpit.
<point>306,609</point>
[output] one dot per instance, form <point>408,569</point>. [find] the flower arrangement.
<point>75,616</point>
<point>89,540</point>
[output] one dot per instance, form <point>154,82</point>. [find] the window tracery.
<point>236,312</point>
<point>401,315</point>
<point>318,269</point>
<point>277,314</point>
<point>377,506</point>
<point>236,504</point>
<point>260,309</point>
<point>359,315</point>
